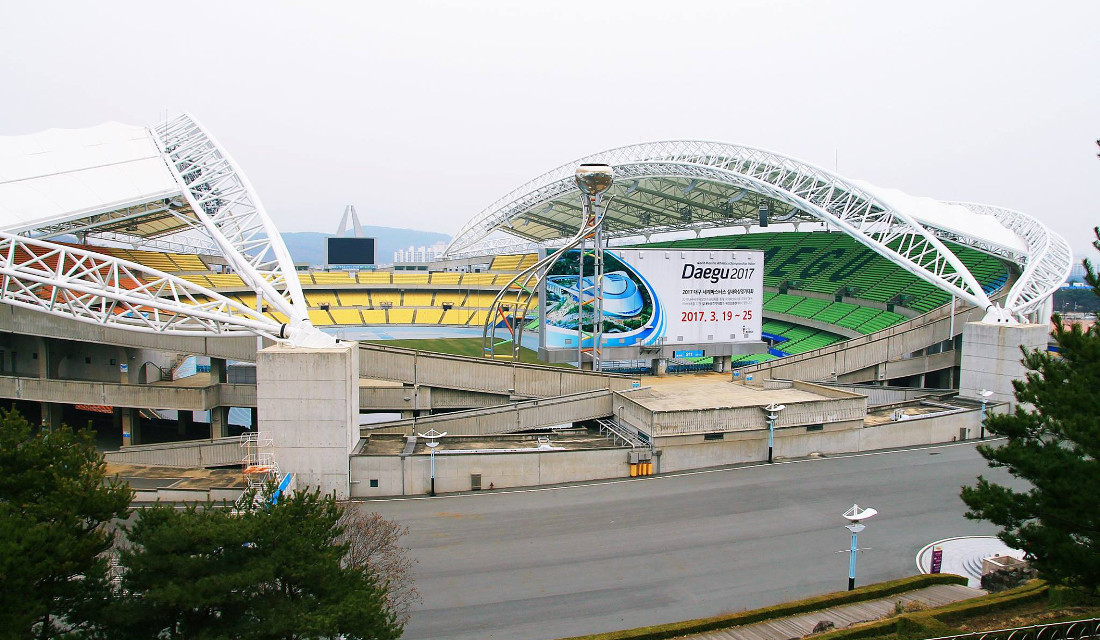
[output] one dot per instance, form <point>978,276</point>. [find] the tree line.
<point>77,561</point>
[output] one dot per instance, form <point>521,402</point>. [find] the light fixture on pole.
<point>773,415</point>
<point>984,393</point>
<point>855,516</point>
<point>592,180</point>
<point>433,437</point>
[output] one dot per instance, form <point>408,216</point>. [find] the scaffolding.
<point>258,466</point>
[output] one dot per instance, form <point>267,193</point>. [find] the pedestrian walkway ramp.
<point>517,416</point>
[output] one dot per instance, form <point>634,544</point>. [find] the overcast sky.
<point>423,113</point>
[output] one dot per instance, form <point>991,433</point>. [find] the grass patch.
<point>469,347</point>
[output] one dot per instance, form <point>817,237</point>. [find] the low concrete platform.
<point>713,391</point>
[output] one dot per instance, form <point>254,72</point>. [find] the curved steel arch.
<point>230,213</point>
<point>864,215</point>
<point>1047,264</point>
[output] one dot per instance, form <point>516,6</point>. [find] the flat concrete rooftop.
<point>710,391</point>
<point>570,440</point>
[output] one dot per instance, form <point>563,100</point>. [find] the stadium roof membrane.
<point>694,185</point>
<point>173,188</point>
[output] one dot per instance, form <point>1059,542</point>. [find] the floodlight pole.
<point>432,443</point>
<point>984,393</point>
<point>855,515</point>
<point>773,415</point>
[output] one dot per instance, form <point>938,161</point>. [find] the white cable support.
<point>224,202</point>
<point>866,215</point>
<point>98,289</point>
<point>1047,264</point>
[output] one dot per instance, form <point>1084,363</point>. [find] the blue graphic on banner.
<point>690,353</point>
<point>632,313</point>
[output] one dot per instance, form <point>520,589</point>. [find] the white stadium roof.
<point>169,188</point>
<point>693,185</point>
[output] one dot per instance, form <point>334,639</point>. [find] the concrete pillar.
<point>185,420</point>
<point>660,367</point>
<point>991,357</point>
<point>218,371</point>
<point>131,425</point>
<point>219,422</point>
<point>721,363</point>
<point>309,407</point>
<point>51,415</point>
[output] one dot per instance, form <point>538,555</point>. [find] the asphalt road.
<point>557,562</point>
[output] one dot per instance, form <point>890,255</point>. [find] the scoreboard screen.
<point>349,251</point>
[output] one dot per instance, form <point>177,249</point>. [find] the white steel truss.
<point>230,213</point>
<point>80,284</point>
<point>705,183</point>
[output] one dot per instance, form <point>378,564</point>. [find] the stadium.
<point>147,292</point>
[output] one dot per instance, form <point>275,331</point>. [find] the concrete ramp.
<point>423,368</point>
<point>195,453</point>
<point>510,418</point>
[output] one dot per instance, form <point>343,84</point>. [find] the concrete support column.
<point>218,371</point>
<point>660,367</point>
<point>722,363</point>
<point>219,422</point>
<point>185,420</point>
<point>991,358</point>
<point>309,407</point>
<point>51,415</point>
<point>131,425</point>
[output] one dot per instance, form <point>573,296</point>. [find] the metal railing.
<point>1072,630</point>
<point>615,432</point>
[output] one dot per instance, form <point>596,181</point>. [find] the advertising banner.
<point>657,297</point>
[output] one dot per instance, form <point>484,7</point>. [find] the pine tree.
<point>1052,441</point>
<point>56,506</point>
<point>273,571</point>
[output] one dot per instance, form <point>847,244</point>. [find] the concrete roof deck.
<point>145,476</point>
<point>711,391</point>
<point>571,440</point>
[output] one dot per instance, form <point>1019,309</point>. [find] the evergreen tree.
<point>56,506</point>
<point>1052,441</point>
<point>273,571</point>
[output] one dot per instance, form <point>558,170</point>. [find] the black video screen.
<point>351,251</point>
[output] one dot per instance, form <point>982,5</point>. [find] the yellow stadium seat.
<point>332,277</point>
<point>319,318</point>
<point>188,262</point>
<point>505,263</point>
<point>304,278</point>
<point>199,280</point>
<point>317,298</point>
<point>401,316</point>
<point>477,318</point>
<point>454,316</point>
<point>445,278</point>
<point>456,298</point>
<point>346,316</point>
<point>478,279</point>
<point>428,316</point>
<point>410,278</point>
<point>417,299</point>
<point>226,281</point>
<point>353,298</point>
<point>378,298</point>
<point>374,277</point>
<point>374,316</point>
<point>278,317</point>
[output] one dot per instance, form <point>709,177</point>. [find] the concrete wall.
<point>473,374</point>
<point>409,398</point>
<point>517,416</point>
<point>309,406</point>
<point>127,395</point>
<point>991,358</point>
<point>36,323</point>
<point>196,454</point>
<point>411,475</point>
<point>860,354</point>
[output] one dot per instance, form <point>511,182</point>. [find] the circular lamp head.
<point>593,179</point>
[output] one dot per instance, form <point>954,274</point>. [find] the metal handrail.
<point>1071,630</point>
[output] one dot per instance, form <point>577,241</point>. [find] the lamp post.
<point>433,442</point>
<point>984,393</point>
<point>854,516</point>
<point>773,415</point>
<point>592,180</point>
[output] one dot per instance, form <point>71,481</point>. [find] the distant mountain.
<point>309,246</point>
